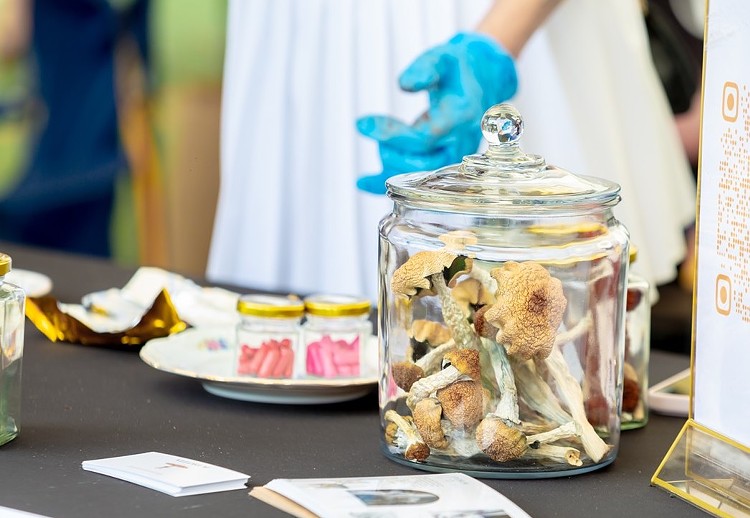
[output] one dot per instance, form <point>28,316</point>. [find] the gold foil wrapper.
<point>160,320</point>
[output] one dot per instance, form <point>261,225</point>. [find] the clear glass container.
<point>334,335</point>
<point>268,335</point>
<point>12,302</point>
<point>637,350</point>
<point>501,315</point>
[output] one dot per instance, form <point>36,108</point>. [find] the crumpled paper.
<point>154,303</point>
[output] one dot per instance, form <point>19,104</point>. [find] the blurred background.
<point>134,86</point>
<point>165,59</point>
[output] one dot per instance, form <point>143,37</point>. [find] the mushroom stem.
<point>431,361</point>
<point>407,438</point>
<point>575,332</point>
<point>462,442</point>
<point>565,431</point>
<point>426,386</point>
<point>507,408</point>
<point>572,396</point>
<point>559,453</point>
<point>484,277</point>
<point>454,317</point>
<point>536,394</point>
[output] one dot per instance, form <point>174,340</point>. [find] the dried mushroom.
<point>631,389</point>
<point>405,373</point>
<point>458,239</point>
<point>434,272</point>
<point>433,333</point>
<point>405,437</point>
<point>481,326</point>
<point>427,417</point>
<point>462,403</point>
<point>499,441</point>
<point>471,293</point>
<point>417,273</point>
<point>529,309</point>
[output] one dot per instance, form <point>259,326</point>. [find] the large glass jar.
<point>12,301</point>
<point>502,300</point>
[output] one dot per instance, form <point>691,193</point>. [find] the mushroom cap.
<point>391,429</point>
<point>631,393</point>
<point>434,333</point>
<point>481,326</point>
<point>472,292</point>
<point>427,414</point>
<point>499,441</point>
<point>418,451</point>
<point>462,403</point>
<point>458,239</point>
<point>466,361</point>
<point>529,309</point>
<point>414,274</point>
<point>405,374</point>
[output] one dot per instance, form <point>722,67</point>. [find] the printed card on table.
<point>176,476</point>
<point>447,495</point>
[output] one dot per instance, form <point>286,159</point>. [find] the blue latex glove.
<point>463,77</point>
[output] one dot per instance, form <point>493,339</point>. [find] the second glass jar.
<point>334,336</point>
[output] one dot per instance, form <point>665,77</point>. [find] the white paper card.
<point>722,314</point>
<point>176,476</point>
<point>7,512</point>
<point>445,495</point>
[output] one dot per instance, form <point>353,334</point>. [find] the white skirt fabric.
<point>298,74</point>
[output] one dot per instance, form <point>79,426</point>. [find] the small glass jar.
<point>501,315</point>
<point>637,349</point>
<point>12,306</point>
<point>268,335</point>
<point>334,336</point>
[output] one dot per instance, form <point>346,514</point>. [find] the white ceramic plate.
<point>207,354</point>
<point>33,283</point>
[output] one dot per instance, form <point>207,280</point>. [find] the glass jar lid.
<point>271,306</point>
<point>502,178</point>
<point>5,263</point>
<point>336,306</point>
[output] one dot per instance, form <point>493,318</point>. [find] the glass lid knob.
<point>502,123</point>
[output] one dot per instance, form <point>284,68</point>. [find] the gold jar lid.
<point>271,306</point>
<point>5,263</point>
<point>336,306</point>
<point>633,253</point>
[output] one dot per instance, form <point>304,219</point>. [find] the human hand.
<point>463,78</point>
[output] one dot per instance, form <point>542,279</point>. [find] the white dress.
<point>299,73</point>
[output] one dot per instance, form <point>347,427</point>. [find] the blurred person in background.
<point>15,104</point>
<point>65,196</point>
<point>297,76</point>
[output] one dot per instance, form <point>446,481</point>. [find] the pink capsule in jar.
<point>268,335</point>
<point>334,336</point>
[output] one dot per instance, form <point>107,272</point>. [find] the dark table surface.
<point>86,403</point>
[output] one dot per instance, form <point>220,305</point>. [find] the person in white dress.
<point>299,74</point>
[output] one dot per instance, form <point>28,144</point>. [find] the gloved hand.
<point>463,77</point>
